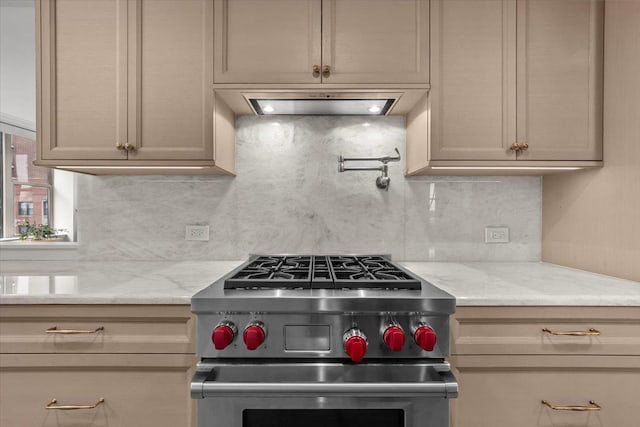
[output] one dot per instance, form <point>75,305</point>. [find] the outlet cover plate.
<point>196,232</point>
<point>496,234</point>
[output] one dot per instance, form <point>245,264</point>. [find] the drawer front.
<point>138,390</point>
<point>505,391</point>
<point>98,329</point>
<point>546,330</point>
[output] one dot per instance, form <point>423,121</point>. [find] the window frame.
<point>9,184</point>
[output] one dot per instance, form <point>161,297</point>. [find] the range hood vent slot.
<point>322,106</point>
<point>310,103</point>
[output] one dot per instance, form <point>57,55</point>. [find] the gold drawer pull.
<point>55,330</point>
<point>51,404</point>
<point>590,332</point>
<point>594,407</point>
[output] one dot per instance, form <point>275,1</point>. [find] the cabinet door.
<point>560,60</point>
<point>375,41</point>
<point>276,41</point>
<point>509,390</point>
<point>173,91</point>
<point>138,390</point>
<point>82,79</point>
<point>472,79</point>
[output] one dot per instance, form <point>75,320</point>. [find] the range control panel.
<point>356,337</point>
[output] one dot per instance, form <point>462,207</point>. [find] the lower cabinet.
<point>586,391</point>
<point>137,390</point>
<point>546,366</point>
<point>96,366</point>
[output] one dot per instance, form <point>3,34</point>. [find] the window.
<point>25,208</point>
<point>26,189</point>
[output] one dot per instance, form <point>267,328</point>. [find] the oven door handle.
<point>446,388</point>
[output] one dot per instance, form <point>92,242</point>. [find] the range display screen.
<point>323,418</point>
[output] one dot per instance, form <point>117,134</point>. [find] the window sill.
<point>21,250</point>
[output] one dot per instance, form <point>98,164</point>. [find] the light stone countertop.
<point>472,283</point>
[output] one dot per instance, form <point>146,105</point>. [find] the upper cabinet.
<point>560,79</point>
<point>82,79</point>
<point>322,41</point>
<point>129,84</point>
<point>473,97</point>
<point>513,84</point>
<point>259,41</point>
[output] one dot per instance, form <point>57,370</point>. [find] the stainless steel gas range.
<point>319,340</point>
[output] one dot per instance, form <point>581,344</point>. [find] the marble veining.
<point>288,197</point>
<point>157,282</point>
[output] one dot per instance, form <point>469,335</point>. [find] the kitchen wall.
<point>17,67</point>
<point>591,219</point>
<point>288,197</point>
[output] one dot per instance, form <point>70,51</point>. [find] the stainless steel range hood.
<point>322,104</point>
<point>314,101</point>
<point>322,107</point>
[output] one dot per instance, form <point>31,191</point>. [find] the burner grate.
<point>322,272</point>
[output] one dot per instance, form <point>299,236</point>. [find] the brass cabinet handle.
<point>593,407</point>
<point>119,146</point>
<point>590,332</point>
<point>326,71</point>
<point>52,405</point>
<point>129,147</point>
<point>517,147</point>
<point>55,330</point>
<point>316,69</point>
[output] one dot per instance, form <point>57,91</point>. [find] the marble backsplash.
<point>288,197</point>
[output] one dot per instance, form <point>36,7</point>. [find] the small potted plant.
<point>36,231</point>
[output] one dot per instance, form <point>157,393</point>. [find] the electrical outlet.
<point>496,234</point>
<point>196,232</point>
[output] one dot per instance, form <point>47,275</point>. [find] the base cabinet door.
<point>585,391</point>
<point>98,390</point>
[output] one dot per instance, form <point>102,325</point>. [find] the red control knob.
<point>253,336</point>
<point>355,346</point>
<point>222,336</point>
<point>425,338</point>
<point>394,338</point>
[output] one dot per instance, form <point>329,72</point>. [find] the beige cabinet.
<point>138,359</point>
<point>322,41</point>
<point>137,389</point>
<point>560,79</point>
<point>128,83</point>
<point>513,84</point>
<point>508,360</point>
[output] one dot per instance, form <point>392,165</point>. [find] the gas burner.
<point>322,272</point>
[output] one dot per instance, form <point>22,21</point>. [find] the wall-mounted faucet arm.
<point>383,180</point>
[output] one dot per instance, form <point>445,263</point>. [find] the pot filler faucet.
<point>383,180</point>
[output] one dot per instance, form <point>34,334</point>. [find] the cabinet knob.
<point>519,147</point>
<point>119,146</point>
<point>326,71</point>
<point>129,147</point>
<point>316,69</point>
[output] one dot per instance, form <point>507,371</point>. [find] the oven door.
<point>323,394</point>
